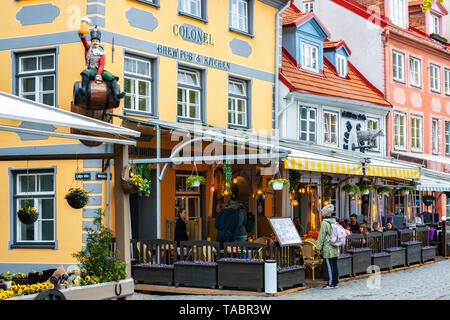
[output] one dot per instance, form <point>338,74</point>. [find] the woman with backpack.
<point>329,252</point>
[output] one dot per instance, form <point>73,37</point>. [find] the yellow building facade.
<point>200,61</point>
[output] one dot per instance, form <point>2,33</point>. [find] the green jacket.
<point>323,243</point>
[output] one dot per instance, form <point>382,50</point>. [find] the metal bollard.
<point>270,276</point>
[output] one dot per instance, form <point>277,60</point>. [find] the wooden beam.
<point>122,206</point>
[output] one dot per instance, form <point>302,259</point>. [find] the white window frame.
<point>38,75</point>
<point>435,78</point>
<point>308,62</point>
<point>135,78</point>
<point>435,136</point>
<point>398,12</point>
<point>434,23</point>
<point>308,6</point>
<point>416,139</point>
<point>399,131</point>
<point>370,128</point>
<point>341,65</point>
<point>447,81</point>
<point>329,133</point>
<point>187,89</point>
<point>37,197</point>
<point>415,70</point>
<point>398,66</point>
<point>447,137</point>
<point>233,99</point>
<point>308,123</point>
<point>240,20</point>
<point>186,6</point>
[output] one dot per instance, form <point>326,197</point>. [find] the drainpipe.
<point>278,61</point>
<point>390,116</point>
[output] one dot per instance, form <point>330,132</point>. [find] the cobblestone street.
<point>427,282</point>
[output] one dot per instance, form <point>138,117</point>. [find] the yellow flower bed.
<point>20,290</point>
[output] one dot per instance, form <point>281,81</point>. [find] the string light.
<point>359,201</point>
<point>234,180</point>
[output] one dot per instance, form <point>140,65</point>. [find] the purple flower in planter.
<point>393,248</point>
<point>412,242</point>
<point>344,255</point>
<point>201,262</point>
<point>357,249</point>
<point>294,267</point>
<point>382,253</point>
<point>428,247</point>
<point>251,260</point>
<point>154,265</point>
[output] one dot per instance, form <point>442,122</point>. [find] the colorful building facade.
<point>180,62</point>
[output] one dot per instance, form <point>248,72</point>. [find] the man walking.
<point>329,252</point>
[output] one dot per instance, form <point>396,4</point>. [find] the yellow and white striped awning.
<point>307,161</point>
<point>388,169</point>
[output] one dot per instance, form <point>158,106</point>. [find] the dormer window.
<point>308,6</point>
<point>434,23</point>
<point>398,12</point>
<point>310,57</point>
<point>341,65</point>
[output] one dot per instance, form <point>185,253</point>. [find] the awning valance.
<point>391,169</point>
<point>434,181</point>
<point>308,161</point>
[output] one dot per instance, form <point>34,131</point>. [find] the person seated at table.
<point>365,220</point>
<point>389,226</point>
<point>363,231</point>
<point>354,226</point>
<point>376,227</point>
<point>298,226</point>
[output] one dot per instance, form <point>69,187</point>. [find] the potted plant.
<point>153,273</point>
<point>351,189</point>
<point>28,214</point>
<point>384,190</point>
<point>366,188</point>
<point>194,181</point>
<point>6,280</point>
<point>413,251</point>
<point>290,276</point>
<point>277,184</point>
<point>361,259</point>
<point>428,199</point>
<point>77,198</point>
<point>406,190</point>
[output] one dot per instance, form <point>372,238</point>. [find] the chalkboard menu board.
<point>285,231</point>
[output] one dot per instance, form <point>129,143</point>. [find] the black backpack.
<point>249,222</point>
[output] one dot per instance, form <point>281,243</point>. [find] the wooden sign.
<point>285,231</point>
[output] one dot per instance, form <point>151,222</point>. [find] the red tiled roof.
<point>329,83</point>
<point>292,14</point>
<point>336,45</point>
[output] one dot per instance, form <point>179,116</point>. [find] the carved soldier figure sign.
<point>104,91</point>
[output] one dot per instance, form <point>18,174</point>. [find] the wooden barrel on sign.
<point>98,96</point>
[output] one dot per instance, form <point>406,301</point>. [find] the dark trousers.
<point>332,270</point>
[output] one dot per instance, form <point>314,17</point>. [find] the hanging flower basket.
<point>428,199</point>
<point>351,189</point>
<point>194,181</point>
<point>385,191</point>
<point>366,188</point>
<point>130,181</point>
<point>28,215</point>
<point>278,184</point>
<point>77,198</point>
<point>406,190</point>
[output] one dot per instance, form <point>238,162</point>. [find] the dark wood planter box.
<point>345,266</point>
<point>195,274</point>
<point>241,275</point>
<point>413,252</point>
<point>361,260</point>
<point>382,260</point>
<point>428,253</point>
<point>153,274</point>
<point>289,278</point>
<point>398,256</point>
